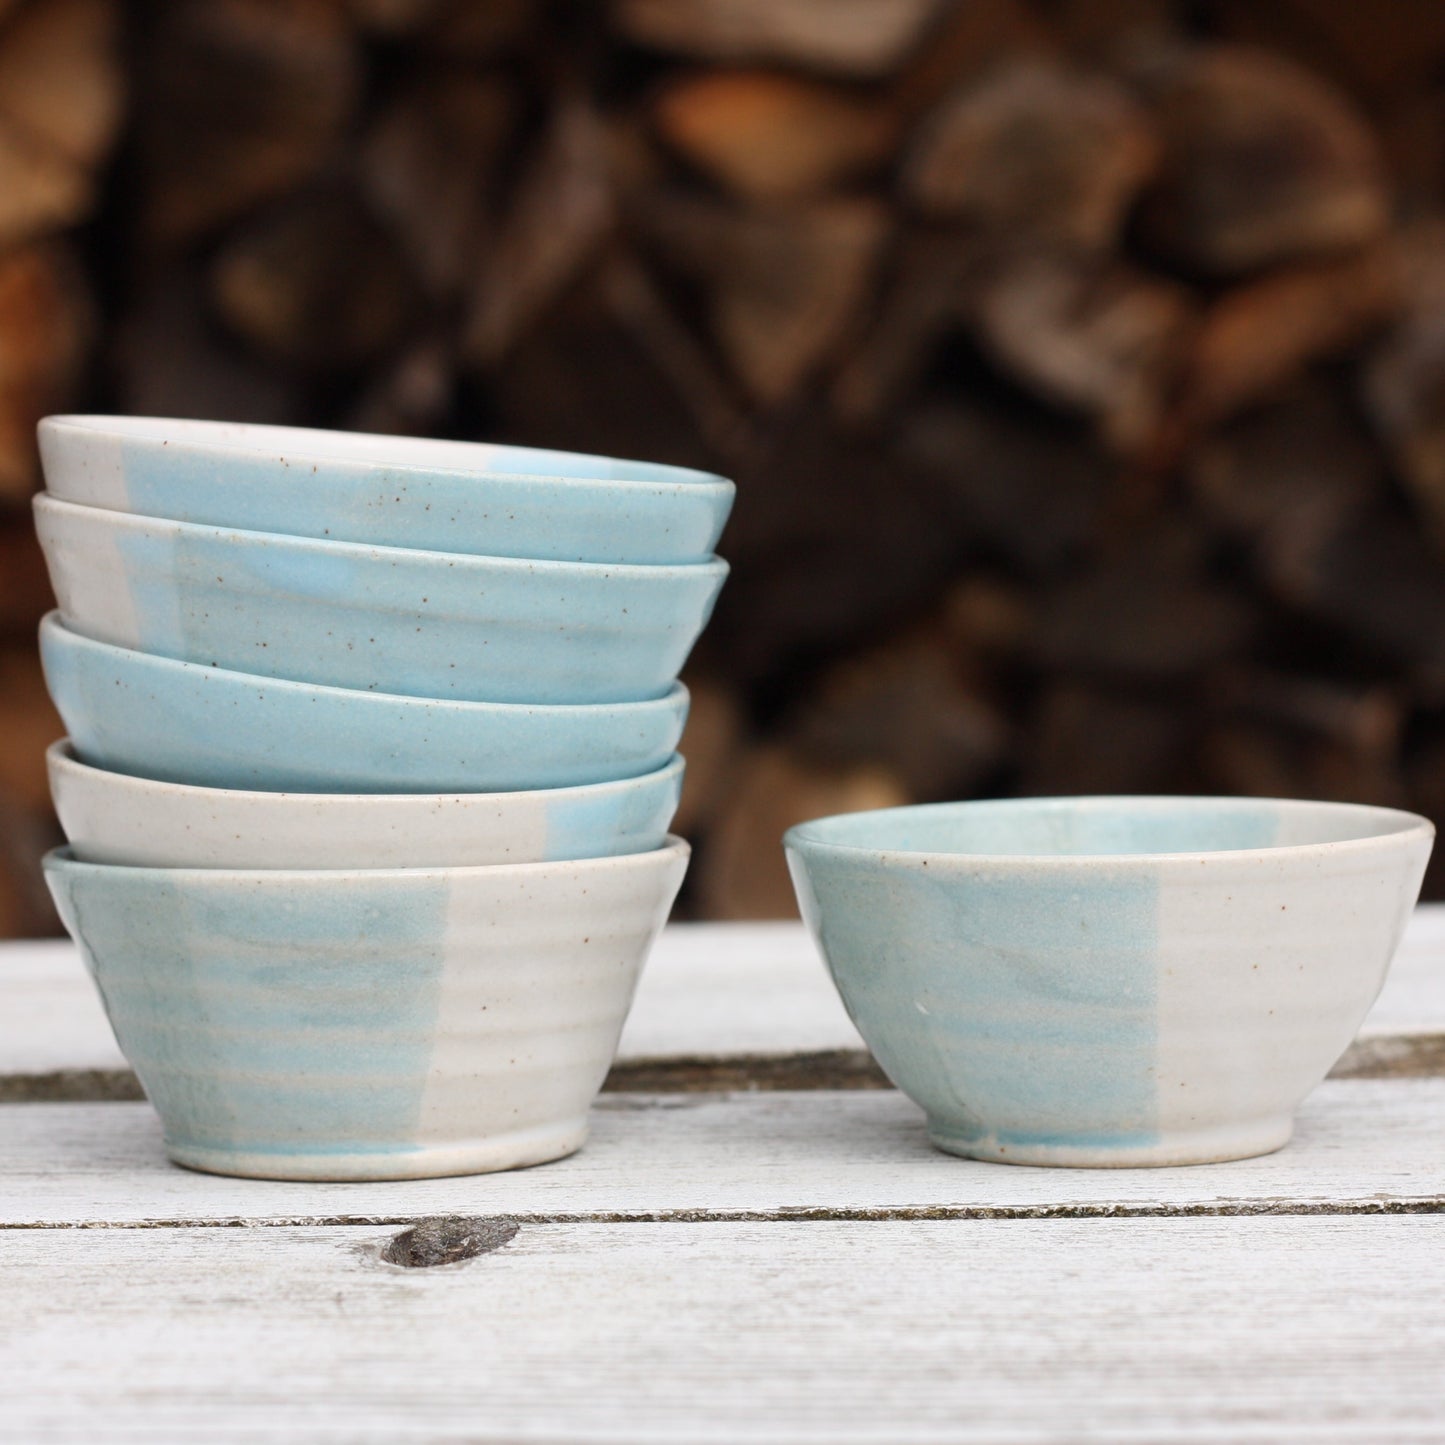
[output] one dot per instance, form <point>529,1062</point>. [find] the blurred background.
<point>1081,363</point>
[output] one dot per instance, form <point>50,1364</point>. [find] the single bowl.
<point>176,722</point>
<point>1109,981</point>
<point>495,501</point>
<point>116,818</point>
<point>376,1024</point>
<point>381,619</point>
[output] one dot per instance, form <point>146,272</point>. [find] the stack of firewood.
<point>1081,362</point>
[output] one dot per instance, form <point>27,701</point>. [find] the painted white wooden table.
<point>756,1245</point>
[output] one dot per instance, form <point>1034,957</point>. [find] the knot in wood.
<point>448,1239</point>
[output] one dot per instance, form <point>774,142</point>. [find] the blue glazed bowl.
<point>383,619</point>
<point>377,1024</point>
<point>1109,981</point>
<point>447,496</point>
<point>133,713</point>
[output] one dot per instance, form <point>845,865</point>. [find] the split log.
<point>25,594</point>
<point>1368,721</point>
<point>171,358</point>
<point>1288,475</point>
<point>427,167</point>
<point>746,874</point>
<point>1261,335</point>
<point>1389,49</point>
<point>561,215</point>
<point>1028,485</point>
<point>769,137</point>
<point>45,325</point>
<point>1377,582</point>
<point>240,101</point>
<point>904,705</point>
<point>781,285</point>
<point>317,283</point>
<point>1084,739</point>
<point>411,395</point>
<point>855,37</point>
<point>26,910</point>
<point>836,540</point>
<point>931,286</point>
<point>1265,762</point>
<point>60,106</point>
<point>1263,163</point>
<point>1109,344</point>
<point>712,744</point>
<point>1036,156</point>
<point>1405,391</point>
<point>1150,612</point>
<point>29,724</point>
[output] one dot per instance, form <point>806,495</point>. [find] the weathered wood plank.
<point>1323,1329</point>
<point>732,1003</point>
<point>1360,1146</point>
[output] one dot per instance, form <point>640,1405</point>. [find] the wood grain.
<point>1325,1330</point>
<point>1360,1147</point>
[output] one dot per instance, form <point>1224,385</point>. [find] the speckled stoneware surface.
<point>383,619</point>
<point>1109,981</point>
<point>115,818</point>
<point>181,723</point>
<point>394,491</point>
<point>369,1025</point>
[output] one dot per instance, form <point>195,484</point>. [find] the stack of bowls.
<point>370,765</point>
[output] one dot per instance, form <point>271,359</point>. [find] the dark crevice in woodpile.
<point>1081,362</point>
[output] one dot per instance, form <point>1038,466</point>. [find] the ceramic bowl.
<point>369,1024</point>
<point>389,491</point>
<point>115,818</point>
<point>382,619</point>
<point>130,712</point>
<point>1109,981</point>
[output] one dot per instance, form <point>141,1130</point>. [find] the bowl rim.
<point>226,439</point>
<point>53,623</point>
<point>1409,827</point>
<point>674,848</point>
<point>61,758</point>
<point>58,509</point>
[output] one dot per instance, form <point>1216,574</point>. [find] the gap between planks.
<point>823,1214</point>
<point>1418,1057</point>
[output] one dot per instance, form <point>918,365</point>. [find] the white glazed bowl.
<point>443,496</point>
<point>116,818</point>
<point>369,1024</point>
<point>1109,981</point>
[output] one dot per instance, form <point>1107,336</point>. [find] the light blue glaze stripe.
<point>1047,1012</point>
<point>634,820</point>
<point>326,1052</point>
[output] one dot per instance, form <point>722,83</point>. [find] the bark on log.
<point>241,101</point>
<point>857,37</point>
<point>1263,163</point>
<point>60,108</point>
<point>768,137</point>
<point>1036,156</point>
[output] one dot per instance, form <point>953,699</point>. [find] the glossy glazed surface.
<point>379,619</point>
<point>133,713</point>
<point>470,497</point>
<point>116,818</point>
<point>1109,981</point>
<point>369,1025</point>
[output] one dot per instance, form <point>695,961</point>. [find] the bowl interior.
<point>1104,827</point>
<point>285,442</point>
